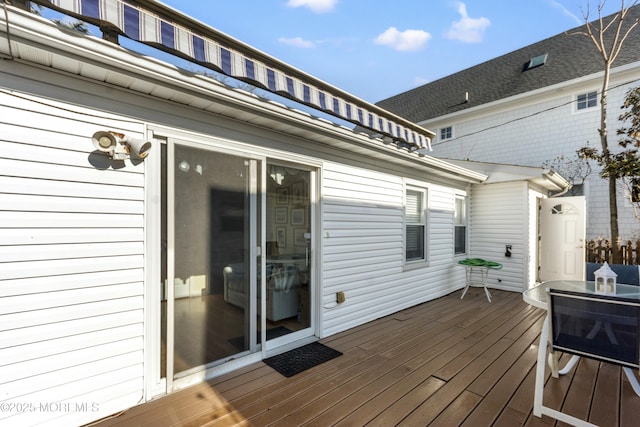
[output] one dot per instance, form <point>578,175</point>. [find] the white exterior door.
<point>562,238</point>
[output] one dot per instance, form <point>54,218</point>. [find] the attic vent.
<point>536,61</point>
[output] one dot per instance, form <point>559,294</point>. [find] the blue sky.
<point>378,48</point>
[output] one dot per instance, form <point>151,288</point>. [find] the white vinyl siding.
<point>71,266</point>
<point>363,248</point>
<point>495,224</point>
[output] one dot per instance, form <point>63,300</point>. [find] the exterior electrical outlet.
<point>340,297</point>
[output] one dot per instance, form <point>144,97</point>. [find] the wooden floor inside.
<point>447,362</point>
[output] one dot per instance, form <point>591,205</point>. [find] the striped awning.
<point>158,25</point>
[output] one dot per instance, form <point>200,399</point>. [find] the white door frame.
<point>562,238</point>
<point>294,339</point>
<point>155,385</point>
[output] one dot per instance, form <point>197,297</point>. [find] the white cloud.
<point>468,30</point>
<point>297,42</point>
<point>318,6</point>
<point>407,40</point>
<point>567,12</point>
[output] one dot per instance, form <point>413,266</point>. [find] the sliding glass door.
<point>236,257</point>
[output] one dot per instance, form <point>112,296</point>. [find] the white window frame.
<point>465,224</point>
<point>587,96</point>
<point>423,189</point>
<point>447,131</point>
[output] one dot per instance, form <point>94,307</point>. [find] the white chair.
<point>600,327</point>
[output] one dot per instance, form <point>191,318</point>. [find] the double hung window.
<point>460,225</point>
<point>415,224</point>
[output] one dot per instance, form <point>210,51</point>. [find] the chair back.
<point>601,327</point>
<point>627,274</point>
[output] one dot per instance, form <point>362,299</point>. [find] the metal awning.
<point>160,26</point>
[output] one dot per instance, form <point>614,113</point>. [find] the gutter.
<point>559,181</point>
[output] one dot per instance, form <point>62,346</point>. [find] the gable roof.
<point>569,57</point>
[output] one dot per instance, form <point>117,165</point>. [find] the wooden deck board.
<point>458,410</point>
<point>585,378</point>
<point>437,403</point>
<point>606,395</point>
<point>498,397</point>
<point>443,363</point>
<point>629,404</point>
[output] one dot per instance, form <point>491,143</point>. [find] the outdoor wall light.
<point>119,146</point>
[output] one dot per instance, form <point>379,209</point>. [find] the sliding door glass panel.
<point>288,246</point>
<point>212,220</point>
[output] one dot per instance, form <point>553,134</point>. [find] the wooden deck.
<point>447,362</point>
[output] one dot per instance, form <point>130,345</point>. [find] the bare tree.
<point>608,37</point>
<point>575,170</point>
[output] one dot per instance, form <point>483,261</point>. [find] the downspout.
<point>559,181</point>
<point>561,193</point>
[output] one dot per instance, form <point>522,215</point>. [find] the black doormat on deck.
<point>300,359</point>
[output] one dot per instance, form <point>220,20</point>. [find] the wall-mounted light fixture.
<point>119,146</point>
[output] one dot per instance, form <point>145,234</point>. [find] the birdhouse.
<point>605,280</point>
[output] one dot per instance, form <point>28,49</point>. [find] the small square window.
<point>446,133</point>
<point>587,100</point>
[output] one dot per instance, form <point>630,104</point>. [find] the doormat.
<point>278,331</point>
<point>300,359</point>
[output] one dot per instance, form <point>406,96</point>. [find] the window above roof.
<point>536,61</point>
